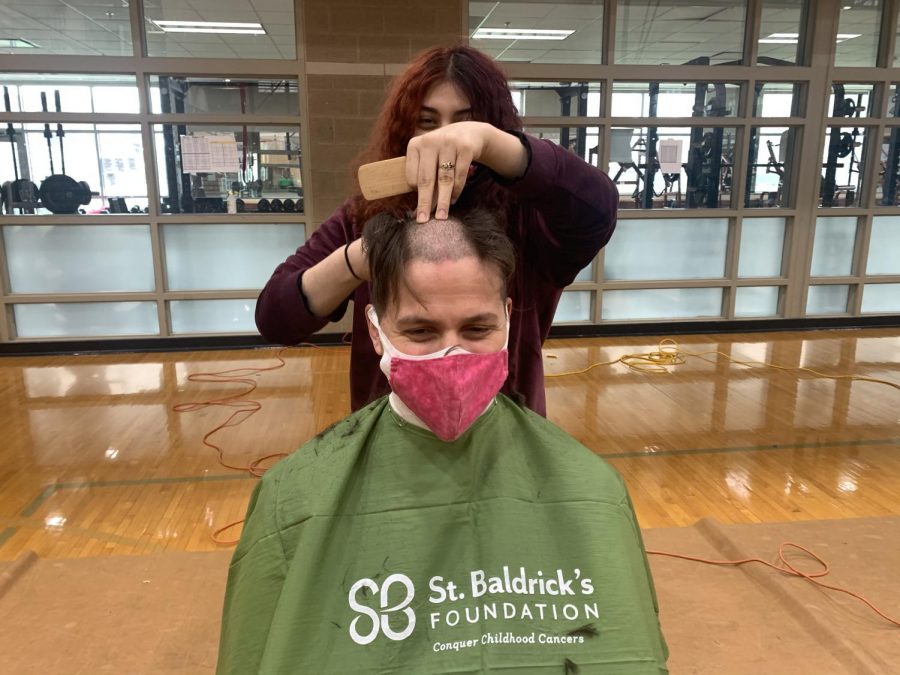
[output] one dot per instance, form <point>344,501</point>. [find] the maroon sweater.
<point>562,213</point>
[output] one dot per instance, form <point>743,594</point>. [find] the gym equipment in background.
<point>20,193</point>
<point>61,193</point>
<point>118,205</point>
<point>707,171</point>
<point>841,144</point>
<point>891,161</point>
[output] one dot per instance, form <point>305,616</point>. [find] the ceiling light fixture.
<point>520,34</point>
<point>781,39</point>
<point>211,27</point>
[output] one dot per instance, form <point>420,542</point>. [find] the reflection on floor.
<point>96,461</point>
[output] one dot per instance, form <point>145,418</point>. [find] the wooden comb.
<point>386,178</point>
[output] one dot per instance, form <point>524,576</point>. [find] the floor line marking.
<point>752,448</point>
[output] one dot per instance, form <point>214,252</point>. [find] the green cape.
<point>378,548</point>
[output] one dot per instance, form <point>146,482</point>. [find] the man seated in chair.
<point>442,528</point>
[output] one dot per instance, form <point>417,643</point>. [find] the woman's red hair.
<point>476,76</point>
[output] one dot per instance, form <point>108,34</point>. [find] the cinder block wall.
<point>359,45</point>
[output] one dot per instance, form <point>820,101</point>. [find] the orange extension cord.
<point>668,354</point>
<point>786,568</point>
<point>245,409</point>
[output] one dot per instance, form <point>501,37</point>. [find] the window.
<point>656,32</point>
<point>221,31</point>
<point>538,32</point>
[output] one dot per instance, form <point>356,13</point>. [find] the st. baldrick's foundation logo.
<point>380,620</point>
<point>518,596</point>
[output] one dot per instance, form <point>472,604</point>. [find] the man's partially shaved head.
<point>391,243</point>
<point>438,240</point>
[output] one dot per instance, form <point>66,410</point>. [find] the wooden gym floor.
<point>95,461</point>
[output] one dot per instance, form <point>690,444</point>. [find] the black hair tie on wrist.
<point>347,260</point>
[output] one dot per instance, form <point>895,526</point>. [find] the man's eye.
<point>479,331</point>
<point>418,333</point>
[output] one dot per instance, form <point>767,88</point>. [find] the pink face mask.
<point>447,390</point>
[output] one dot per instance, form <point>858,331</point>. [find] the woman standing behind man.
<point>451,114</point>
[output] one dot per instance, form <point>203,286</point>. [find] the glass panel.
<point>93,28</point>
<point>887,185</point>
<point>893,109</point>
<point>833,247</point>
<point>675,99</point>
<point>587,274</point>
<point>221,257</point>
<point>667,249</point>
<point>235,30</point>
<point>662,303</point>
<point>574,306</point>
<point>583,141</point>
<point>77,93</point>
<point>123,177</point>
<point>687,168</point>
<point>778,99</point>
<point>850,100</point>
<point>518,31</point>
<point>79,258</point>
<point>771,165</point>
<point>881,298</point>
<point>762,247</point>
<point>779,32</point>
<point>842,161</point>
<point>750,301</point>
<point>657,32</point>
<point>827,299</point>
<point>213,316</point>
<point>203,165</point>
<point>857,36</point>
<point>99,169</point>
<point>884,246</point>
<point>552,99</point>
<point>86,319</point>
<point>171,94</point>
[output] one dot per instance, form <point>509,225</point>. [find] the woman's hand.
<point>438,162</point>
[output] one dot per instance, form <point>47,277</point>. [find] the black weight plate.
<point>86,195</point>
<point>277,206</point>
<point>263,206</point>
<point>61,194</point>
<point>21,191</point>
<point>288,205</point>
<point>846,145</point>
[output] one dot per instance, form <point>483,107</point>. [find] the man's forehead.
<point>418,318</point>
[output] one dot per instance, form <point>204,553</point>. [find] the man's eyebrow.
<point>416,320</point>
